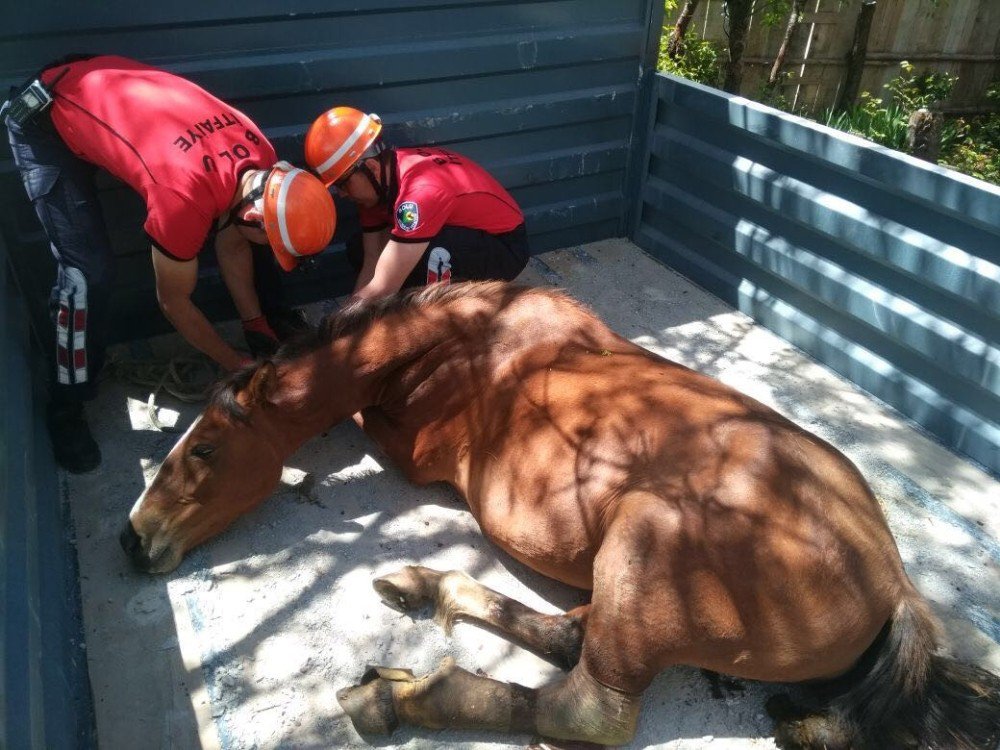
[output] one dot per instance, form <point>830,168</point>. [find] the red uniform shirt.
<point>178,146</point>
<point>438,187</point>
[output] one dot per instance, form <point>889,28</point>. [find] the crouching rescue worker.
<point>427,214</point>
<point>205,172</point>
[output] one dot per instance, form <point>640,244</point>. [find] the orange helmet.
<point>299,215</point>
<point>338,139</point>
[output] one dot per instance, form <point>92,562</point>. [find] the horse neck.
<point>325,387</point>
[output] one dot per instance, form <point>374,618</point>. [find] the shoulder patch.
<point>407,216</point>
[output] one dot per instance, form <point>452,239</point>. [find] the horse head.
<point>226,463</point>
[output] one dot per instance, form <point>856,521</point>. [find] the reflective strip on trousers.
<point>71,328</point>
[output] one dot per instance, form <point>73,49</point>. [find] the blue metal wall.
<point>882,267</point>
<point>44,691</point>
<point>542,92</point>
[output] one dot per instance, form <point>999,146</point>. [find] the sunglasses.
<point>343,180</point>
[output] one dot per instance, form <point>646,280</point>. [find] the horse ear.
<point>262,384</point>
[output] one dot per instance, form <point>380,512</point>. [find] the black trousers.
<point>463,254</point>
<point>61,189</point>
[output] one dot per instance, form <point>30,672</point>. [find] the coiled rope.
<point>189,378</point>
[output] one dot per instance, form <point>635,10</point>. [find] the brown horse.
<point>712,531</point>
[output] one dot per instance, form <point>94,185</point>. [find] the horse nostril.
<point>129,539</point>
<point>132,545</point>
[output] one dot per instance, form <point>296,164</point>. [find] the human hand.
<point>261,339</point>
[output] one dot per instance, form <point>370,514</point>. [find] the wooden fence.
<point>961,37</point>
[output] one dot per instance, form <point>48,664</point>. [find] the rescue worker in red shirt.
<point>427,214</point>
<point>205,172</point>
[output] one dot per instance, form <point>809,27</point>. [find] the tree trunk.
<point>856,57</point>
<point>779,60</point>
<point>739,23</point>
<point>683,21</point>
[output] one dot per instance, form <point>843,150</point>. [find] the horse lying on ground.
<point>712,531</point>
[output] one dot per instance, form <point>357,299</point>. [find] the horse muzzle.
<point>139,554</point>
<point>132,544</point>
<point>165,559</point>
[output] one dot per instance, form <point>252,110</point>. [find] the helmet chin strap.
<point>255,195</point>
<point>380,184</point>
<point>375,183</point>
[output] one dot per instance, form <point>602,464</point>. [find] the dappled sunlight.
<point>279,611</point>
<point>879,264</point>
<point>316,621</point>
<point>139,415</point>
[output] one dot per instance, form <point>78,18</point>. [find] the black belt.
<point>25,101</point>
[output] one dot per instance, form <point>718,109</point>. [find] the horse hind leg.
<point>576,708</point>
<point>456,597</point>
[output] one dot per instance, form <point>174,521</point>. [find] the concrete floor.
<point>245,645</point>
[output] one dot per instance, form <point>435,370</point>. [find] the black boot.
<point>74,447</point>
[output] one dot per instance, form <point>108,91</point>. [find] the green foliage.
<point>971,146</point>
<point>968,145</point>
<point>915,90</point>
<point>699,59</point>
<point>774,12</point>
<point>976,149</point>
<point>775,96</point>
<point>872,119</point>
<point>993,92</point>
<point>886,122</point>
<point>702,60</point>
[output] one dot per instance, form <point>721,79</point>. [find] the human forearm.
<point>373,244</point>
<point>236,265</point>
<point>191,323</point>
<point>393,266</point>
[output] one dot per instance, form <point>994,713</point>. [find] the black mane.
<point>347,320</point>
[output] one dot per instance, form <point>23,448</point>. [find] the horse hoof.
<point>811,731</point>
<point>370,706</point>
<point>391,595</point>
<point>405,590</point>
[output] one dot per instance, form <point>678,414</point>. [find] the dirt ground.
<point>245,645</point>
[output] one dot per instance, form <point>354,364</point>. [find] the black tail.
<point>908,696</point>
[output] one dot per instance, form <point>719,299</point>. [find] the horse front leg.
<point>574,708</point>
<point>456,597</point>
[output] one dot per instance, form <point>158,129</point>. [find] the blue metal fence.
<point>44,690</point>
<point>883,267</point>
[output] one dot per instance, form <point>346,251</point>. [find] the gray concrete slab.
<point>245,645</point>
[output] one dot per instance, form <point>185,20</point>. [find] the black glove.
<point>260,346</point>
<point>261,339</point>
<point>286,322</point>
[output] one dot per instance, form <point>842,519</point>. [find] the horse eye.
<point>202,450</point>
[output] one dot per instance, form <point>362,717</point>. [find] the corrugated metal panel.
<point>44,691</point>
<point>882,267</point>
<point>543,93</point>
